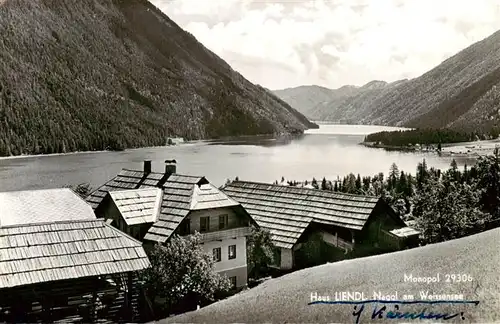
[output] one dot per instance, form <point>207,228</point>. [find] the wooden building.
<point>347,225</point>
<point>153,206</point>
<point>402,238</point>
<point>59,263</point>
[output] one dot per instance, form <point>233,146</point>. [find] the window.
<point>120,225</point>
<point>277,257</point>
<point>186,227</point>
<point>217,254</point>
<point>204,224</point>
<point>233,282</point>
<point>135,232</point>
<point>223,221</point>
<point>231,252</point>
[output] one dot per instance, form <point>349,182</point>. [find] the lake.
<point>330,151</point>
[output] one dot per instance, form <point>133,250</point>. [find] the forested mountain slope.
<point>97,74</point>
<point>463,93</point>
<point>350,109</point>
<point>342,105</point>
<point>308,98</point>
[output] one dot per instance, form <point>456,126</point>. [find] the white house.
<point>153,206</point>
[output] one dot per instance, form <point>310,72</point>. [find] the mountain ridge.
<point>114,74</point>
<point>462,92</point>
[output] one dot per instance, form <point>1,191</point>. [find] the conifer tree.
<point>323,184</point>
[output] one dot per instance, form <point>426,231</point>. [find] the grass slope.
<point>92,74</point>
<point>284,299</point>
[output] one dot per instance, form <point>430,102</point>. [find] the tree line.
<point>427,136</point>
<point>445,204</point>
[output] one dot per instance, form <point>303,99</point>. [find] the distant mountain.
<point>307,98</point>
<point>351,109</point>
<point>97,74</point>
<point>463,92</point>
<point>344,105</point>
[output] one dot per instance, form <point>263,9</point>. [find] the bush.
<point>182,274</point>
<point>260,253</point>
<point>82,189</point>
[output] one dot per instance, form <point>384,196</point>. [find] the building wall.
<point>329,238</point>
<point>380,220</point>
<point>110,211</point>
<point>286,259</point>
<point>319,246</point>
<point>372,239</point>
<point>336,240</point>
<point>236,265</point>
<point>240,273</point>
<point>23,302</point>
<point>276,258</point>
<point>234,220</point>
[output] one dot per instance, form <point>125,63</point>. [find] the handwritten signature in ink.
<point>382,312</point>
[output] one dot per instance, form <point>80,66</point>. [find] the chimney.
<point>170,167</point>
<point>147,166</point>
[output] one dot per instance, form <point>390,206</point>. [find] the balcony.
<point>348,246</point>
<point>226,234</point>
<point>335,240</point>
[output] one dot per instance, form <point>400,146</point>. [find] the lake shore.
<point>255,159</point>
<point>26,156</point>
<point>175,142</point>
<point>463,149</point>
<point>392,147</point>
<point>476,148</point>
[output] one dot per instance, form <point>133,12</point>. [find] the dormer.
<point>132,211</point>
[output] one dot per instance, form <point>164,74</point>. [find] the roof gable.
<point>207,196</point>
<point>38,253</point>
<point>138,206</point>
<point>125,180</point>
<point>286,211</point>
<point>176,204</point>
<point>179,195</point>
<point>41,206</point>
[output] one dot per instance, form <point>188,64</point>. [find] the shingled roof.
<point>137,206</point>
<point>208,196</point>
<point>36,253</point>
<point>177,196</point>
<point>126,179</point>
<point>286,211</point>
<point>42,206</point>
<point>405,232</point>
<point>180,195</point>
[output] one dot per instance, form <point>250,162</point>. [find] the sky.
<point>331,43</point>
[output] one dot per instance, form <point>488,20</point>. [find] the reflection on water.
<point>331,151</point>
<point>264,141</point>
<point>351,130</point>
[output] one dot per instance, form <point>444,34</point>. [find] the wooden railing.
<point>337,241</point>
<point>344,244</point>
<point>225,234</point>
